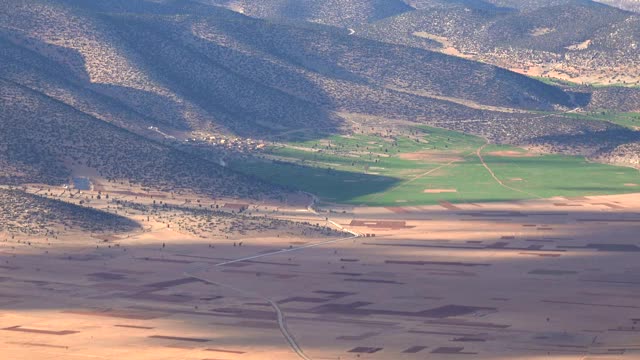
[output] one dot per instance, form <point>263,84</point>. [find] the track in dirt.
<point>282,324</point>
<point>493,175</point>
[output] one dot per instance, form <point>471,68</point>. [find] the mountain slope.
<point>196,67</point>
<point>630,5</point>
<point>575,40</point>
<point>120,86</point>
<point>329,12</point>
<point>45,140</point>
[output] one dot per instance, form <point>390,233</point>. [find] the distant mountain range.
<point>578,40</point>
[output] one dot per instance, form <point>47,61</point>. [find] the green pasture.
<point>398,170</point>
<point>561,82</point>
<point>627,119</point>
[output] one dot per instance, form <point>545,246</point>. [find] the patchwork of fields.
<point>428,166</point>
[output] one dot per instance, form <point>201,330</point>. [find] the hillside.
<point>616,98</point>
<point>47,141</point>
<point>631,5</point>
<point>579,41</point>
<point>123,87</point>
<point>319,179</point>
<point>215,70</point>
<point>27,214</point>
<point>330,12</point>
<point>528,5</point>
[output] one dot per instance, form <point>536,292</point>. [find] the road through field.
<point>280,315</point>
<point>493,175</point>
<point>282,323</point>
<point>417,177</point>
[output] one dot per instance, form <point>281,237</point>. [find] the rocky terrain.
<point>627,154</point>
<point>617,98</point>
<point>27,214</point>
<point>46,141</point>
<point>331,12</point>
<point>118,88</point>
<point>631,5</point>
<point>580,41</point>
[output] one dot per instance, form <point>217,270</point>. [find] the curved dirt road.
<point>493,175</point>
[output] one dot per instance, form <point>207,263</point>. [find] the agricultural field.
<point>424,166</point>
<point>555,82</point>
<point>563,82</point>
<point>627,119</point>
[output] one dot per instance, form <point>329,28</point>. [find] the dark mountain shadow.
<point>580,98</point>
<point>327,183</point>
<point>25,213</point>
<point>383,9</point>
<point>297,10</point>
<point>244,106</point>
<point>120,106</point>
<point>238,105</point>
<point>607,139</point>
<point>291,42</point>
<point>66,79</point>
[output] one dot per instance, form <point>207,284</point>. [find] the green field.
<point>555,82</point>
<point>561,82</point>
<point>387,171</point>
<point>630,120</point>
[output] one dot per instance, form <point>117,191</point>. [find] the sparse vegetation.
<point>27,214</point>
<point>575,41</point>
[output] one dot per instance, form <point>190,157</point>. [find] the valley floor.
<point>421,165</point>
<point>539,279</point>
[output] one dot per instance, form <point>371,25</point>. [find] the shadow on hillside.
<point>613,136</point>
<point>225,82</point>
<point>327,183</point>
<point>205,91</point>
<point>14,204</point>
